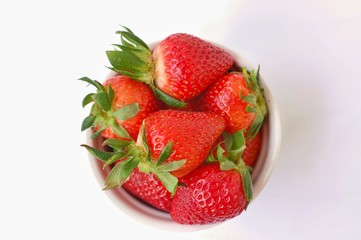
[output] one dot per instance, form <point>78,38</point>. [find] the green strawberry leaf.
<point>171,166</point>
<point>132,38</point>
<point>228,140</point>
<point>119,130</point>
<point>101,155</point>
<point>116,156</point>
<point>87,122</point>
<point>102,99</point>
<point>87,99</point>
<point>227,164</point>
<point>169,181</point>
<point>117,144</point>
<point>247,183</point>
<point>144,142</point>
<point>110,93</point>
<point>127,111</point>
<point>211,157</point>
<point>97,133</point>
<point>120,173</point>
<point>251,98</point>
<point>170,101</point>
<point>238,140</point>
<point>95,83</point>
<point>165,154</point>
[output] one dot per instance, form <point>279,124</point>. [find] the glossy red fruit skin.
<point>210,196</point>
<point>193,134</point>
<point>253,149</point>
<point>185,65</point>
<point>149,189</point>
<point>128,91</point>
<point>223,98</point>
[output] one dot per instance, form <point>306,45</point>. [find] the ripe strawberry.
<point>239,99</point>
<point>149,189</point>
<point>193,134</point>
<point>120,105</point>
<point>171,144</point>
<point>252,150</point>
<point>180,67</point>
<point>211,195</point>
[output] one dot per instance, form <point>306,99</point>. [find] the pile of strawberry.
<point>180,124</point>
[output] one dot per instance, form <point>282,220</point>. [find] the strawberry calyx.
<point>102,114</point>
<point>127,155</point>
<point>256,101</point>
<point>230,157</point>
<point>133,58</point>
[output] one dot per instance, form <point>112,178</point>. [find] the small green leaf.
<point>251,99</point>
<point>116,143</point>
<point>171,166</point>
<point>116,156</point>
<point>250,109</point>
<point>95,83</point>
<point>166,152</point>
<point>238,140</point>
<point>101,155</point>
<point>120,173</point>
<point>102,99</point>
<point>220,154</point>
<point>110,93</point>
<point>227,165</point>
<point>97,133</point>
<point>87,122</point>
<point>256,126</point>
<point>144,141</point>
<point>211,157</point>
<point>127,111</point>
<point>228,141</point>
<point>168,180</point>
<point>127,61</point>
<point>131,37</point>
<point>119,129</point>
<point>170,101</point>
<point>87,99</point>
<point>247,183</point>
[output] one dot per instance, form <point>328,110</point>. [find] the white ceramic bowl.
<point>271,132</point>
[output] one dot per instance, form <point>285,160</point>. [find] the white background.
<point>310,54</point>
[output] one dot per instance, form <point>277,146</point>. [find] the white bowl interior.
<point>271,132</point>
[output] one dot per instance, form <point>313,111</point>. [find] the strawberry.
<point>237,97</point>
<point>171,144</point>
<point>119,107</point>
<point>180,67</point>
<point>149,189</point>
<point>193,135</point>
<point>210,195</point>
<point>252,150</point>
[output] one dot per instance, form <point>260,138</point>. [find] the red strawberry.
<point>172,143</point>
<point>193,134</point>
<point>211,195</point>
<point>149,189</point>
<point>180,67</point>
<point>252,150</point>
<point>120,105</point>
<point>238,98</point>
